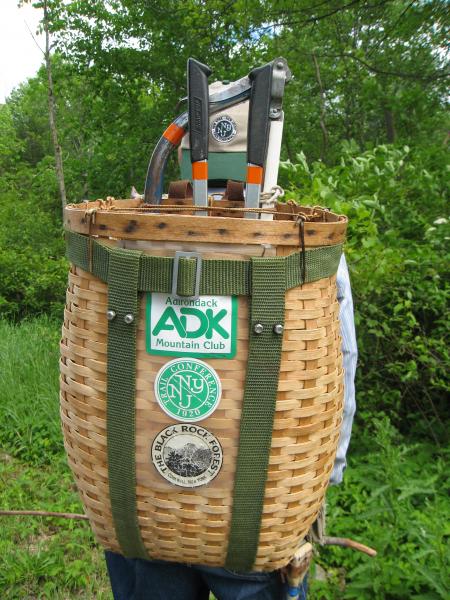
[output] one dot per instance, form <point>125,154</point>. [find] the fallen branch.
<point>348,543</point>
<point>43,513</point>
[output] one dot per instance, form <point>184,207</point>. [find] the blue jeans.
<point>135,579</point>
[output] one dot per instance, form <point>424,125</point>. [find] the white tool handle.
<point>272,160</point>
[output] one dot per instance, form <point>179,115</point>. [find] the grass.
<point>39,558</point>
<point>393,498</point>
<point>46,558</point>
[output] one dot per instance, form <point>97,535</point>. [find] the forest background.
<point>366,134</point>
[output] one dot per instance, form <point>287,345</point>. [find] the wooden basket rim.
<point>128,219</point>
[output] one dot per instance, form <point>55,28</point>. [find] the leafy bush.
<point>393,498</point>
<point>398,232</point>
<point>32,264</point>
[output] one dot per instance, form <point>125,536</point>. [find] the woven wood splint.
<point>279,416</point>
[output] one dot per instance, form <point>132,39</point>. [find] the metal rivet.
<point>128,318</point>
<point>110,314</point>
<point>278,328</point>
<point>280,65</point>
<point>258,328</point>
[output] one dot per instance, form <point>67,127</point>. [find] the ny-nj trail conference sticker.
<point>223,129</point>
<point>204,327</point>
<point>188,389</point>
<point>187,455</point>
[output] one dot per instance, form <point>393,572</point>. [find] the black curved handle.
<point>198,100</point>
<point>258,117</point>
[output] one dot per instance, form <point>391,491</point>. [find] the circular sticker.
<point>188,389</point>
<point>223,129</point>
<point>187,455</point>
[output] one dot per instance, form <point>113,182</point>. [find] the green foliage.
<point>29,109</point>
<point>10,145</point>
<point>394,497</point>
<point>46,558</point>
<point>29,427</point>
<point>40,558</point>
<point>395,199</point>
<point>32,263</point>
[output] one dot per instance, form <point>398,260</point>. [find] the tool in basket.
<point>231,158</point>
<point>198,101</point>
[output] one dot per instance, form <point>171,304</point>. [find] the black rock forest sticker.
<point>187,389</point>
<point>187,455</point>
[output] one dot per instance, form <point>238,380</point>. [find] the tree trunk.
<point>390,125</point>
<point>322,109</point>
<point>52,113</point>
<point>287,144</point>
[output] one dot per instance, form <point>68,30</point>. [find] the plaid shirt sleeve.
<point>350,356</point>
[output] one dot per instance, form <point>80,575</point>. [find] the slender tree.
<point>322,108</point>
<point>52,109</point>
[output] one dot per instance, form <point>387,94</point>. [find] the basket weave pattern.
<point>192,525</point>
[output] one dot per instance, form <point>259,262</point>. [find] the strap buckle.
<point>198,274</point>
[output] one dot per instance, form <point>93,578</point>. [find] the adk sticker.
<point>223,129</point>
<point>204,327</point>
<point>187,455</point>
<point>188,389</point>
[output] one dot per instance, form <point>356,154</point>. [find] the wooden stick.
<point>348,543</point>
<point>43,513</point>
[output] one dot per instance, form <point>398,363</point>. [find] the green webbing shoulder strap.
<point>123,277</point>
<point>266,280</point>
<point>255,439</point>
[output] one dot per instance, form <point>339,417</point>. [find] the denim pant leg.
<point>135,579</point>
<point>230,585</point>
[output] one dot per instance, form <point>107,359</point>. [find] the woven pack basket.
<point>279,415</point>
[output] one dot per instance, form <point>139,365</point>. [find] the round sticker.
<point>188,389</point>
<point>187,455</point>
<point>223,129</point>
